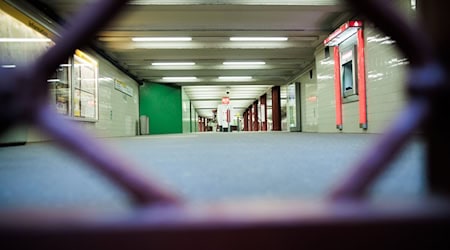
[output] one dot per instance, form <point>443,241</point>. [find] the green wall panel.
<point>162,104</point>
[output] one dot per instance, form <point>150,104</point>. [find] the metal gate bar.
<point>164,222</point>
<point>247,225</point>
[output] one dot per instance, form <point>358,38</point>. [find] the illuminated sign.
<point>342,33</point>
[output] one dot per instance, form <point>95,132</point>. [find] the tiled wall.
<point>385,69</point>
<point>194,119</point>
<point>190,116</point>
<point>326,106</point>
<point>309,100</point>
<point>118,112</point>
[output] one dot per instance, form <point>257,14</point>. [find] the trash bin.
<point>144,125</point>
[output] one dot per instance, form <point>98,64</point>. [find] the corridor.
<point>203,167</point>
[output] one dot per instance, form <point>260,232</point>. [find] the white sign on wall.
<point>123,87</point>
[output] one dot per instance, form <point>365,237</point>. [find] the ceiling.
<point>210,24</point>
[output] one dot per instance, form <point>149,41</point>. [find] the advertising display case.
<point>73,86</point>
<point>85,79</point>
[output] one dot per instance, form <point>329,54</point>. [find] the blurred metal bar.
<point>409,37</point>
<point>377,159</point>
<point>246,225</point>
<point>346,224</point>
<point>434,16</point>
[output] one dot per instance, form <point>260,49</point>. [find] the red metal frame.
<point>362,80</point>
<point>163,221</point>
<point>361,74</point>
<point>337,87</point>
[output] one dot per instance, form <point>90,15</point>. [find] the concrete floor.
<point>203,167</point>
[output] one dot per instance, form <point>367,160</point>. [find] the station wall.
<point>118,112</point>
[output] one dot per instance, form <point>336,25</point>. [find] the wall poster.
<point>85,79</point>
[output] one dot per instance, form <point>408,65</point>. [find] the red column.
<point>200,124</point>
<point>250,119</point>
<point>255,112</point>
<point>263,102</point>
<point>337,87</point>
<point>203,124</point>
<point>362,81</point>
<point>245,115</point>
<point>276,108</point>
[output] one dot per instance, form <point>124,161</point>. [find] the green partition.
<point>163,105</point>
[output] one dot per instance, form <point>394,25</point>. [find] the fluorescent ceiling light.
<point>245,63</point>
<point>173,63</point>
<point>161,39</point>
<point>259,39</point>
<point>235,78</point>
<point>24,40</point>
<point>107,79</point>
<point>9,66</point>
<point>179,78</point>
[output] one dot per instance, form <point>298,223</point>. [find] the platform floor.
<point>204,167</point>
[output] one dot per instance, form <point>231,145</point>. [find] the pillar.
<point>276,108</point>
<point>250,119</point>
<point>255,116</point>
<point>203,124</point>
<point>245,115</point>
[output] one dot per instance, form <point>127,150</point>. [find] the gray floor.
<point>203,167</point>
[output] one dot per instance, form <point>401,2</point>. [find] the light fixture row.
<point>193,78</point>
<point>24,40</point>
<point>193,63</point>
<point>159,39</point>
<point>188,39</point>
<point>221,78</point>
